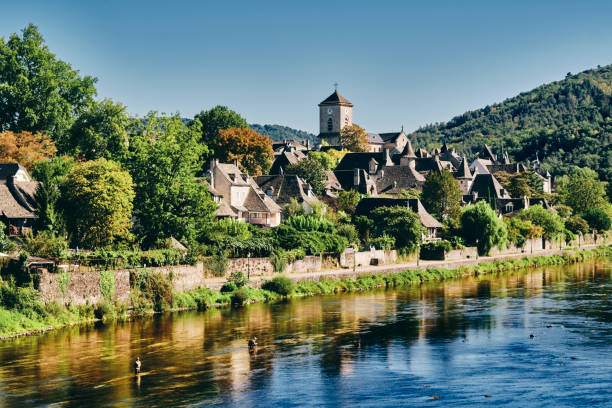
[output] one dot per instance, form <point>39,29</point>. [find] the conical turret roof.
<point>464,170</point>
<point>336,99</point>
<point>408,151</point>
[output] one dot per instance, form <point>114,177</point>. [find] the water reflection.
<point>459,339</point>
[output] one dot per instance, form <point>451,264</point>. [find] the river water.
<point>456,343</point>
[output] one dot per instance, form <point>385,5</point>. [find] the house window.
<point>330,125</point>
<point>509,207</point>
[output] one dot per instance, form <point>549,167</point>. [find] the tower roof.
<point>336,99</point>
<point>408,151</point>
<point>464,170</point>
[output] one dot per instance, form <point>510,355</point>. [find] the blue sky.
<point>401,63</point>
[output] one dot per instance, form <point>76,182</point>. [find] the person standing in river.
<point>137,365</point>
<point>253,343</point>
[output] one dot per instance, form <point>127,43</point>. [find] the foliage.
<point>25,148</point>
<point>217,264</point>
<point>282,285</point>
<point>354,138</point>
<point>609,191</point>
<point>238,278</point>
<point>51,175</point>
<point>597,219</point>
<point>577,225</point>
<point>228,287</point>
<point>278,260</point>
<point>292,209</point>
<point>521,229</point>
<point>45,244</point>
<point>229,227</point>
<point>348,200</point>
<point>311,242</point>
<point>581,190</point>
<point>98,197</point>
<point>480,223</point>
<point>550,222</point>
<point>100,131</point>
<point>279,132</point>
<point>328,162</point>
<point>410,193</point>
<point>107,285</point>
<point>240,297</point>
<point>309,222</point>
<point>441,195</point>
<point>349,232</point>
<point>38,92</point>
<point>150,290</point>
<point>252,150</point>
<point>312,172</point>
<point>520,184</point>
<point>125,258</point>
<point>435,249</point>
<point>5,243</point>
<point>164,160</point>
<point>63,278</point>
<point>401,223</point>
<point>564,211</point>
<point>364,226</point>
<point>565,123</point>
<point>383,241</point>
<point>216,119</point>
<point>255,246</point>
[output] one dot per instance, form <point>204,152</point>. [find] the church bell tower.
<point>335,113</point>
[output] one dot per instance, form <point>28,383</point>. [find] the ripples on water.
<point>459,343</point>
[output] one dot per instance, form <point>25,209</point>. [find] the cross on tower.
<point>335,86</point>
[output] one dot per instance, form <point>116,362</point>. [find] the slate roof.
<point>511,168</point>
<point>285,187</point>
<point>331,181</point>
<point>367,205</point>
<point>10,207</point>
<point>286,158</point>
<point>352,161</point>
<point>487,186</point>
<point>463,171</point>
<point>487,154</point>
<point>225,210</point>
<point>408,151</point>
<point>398,178</point>
<point>257,201</point>
<point>233,173</point>
<point>375,138</point>
<point>389,137</point>
<point>336,99</point>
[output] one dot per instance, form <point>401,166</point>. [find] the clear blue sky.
<point>409,63</point>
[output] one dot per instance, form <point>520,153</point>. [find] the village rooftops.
<point>282,188</point>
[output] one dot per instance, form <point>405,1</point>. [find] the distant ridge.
<point>563,123</point>
<point>278,132</point>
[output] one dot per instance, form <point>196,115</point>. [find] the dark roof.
<point>336,99</point>
<point>352,161</point>
<point>450,156</point>
<point>283,188</point>
<point>345,178</point>
<point>487,154</point>
<point>463,171</point>
<point>286,158</point>
<point>397,178</point>
<point>331,182</point>
<point>487,186</point>
<point>375,138</point>
<point>511,168</point>
<point>329,147</point>
<point>10,207</point>
<point>408,151</point>
<point>422,153</point>
<point>8,170</point>
<point>389,137</point>
<point>257,201</point>
<point>367,205</point>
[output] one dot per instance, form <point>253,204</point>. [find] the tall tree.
<point>51,175</point>
<point>164,160</point>
<point>252,150</point>
<point>97,199</point>
<point>38,92</point>
<point>311,171</point>
<point>480,225</point>
<point>25,148</point>
<point>441,195</point>
<point>551,222</point>
<point>101,131</point>
<point>401,223</point>
<point>216,119</point>
<point>582,190</point>
<point>354,138</point>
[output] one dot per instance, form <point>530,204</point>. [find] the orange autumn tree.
<point>25,148</point>
<point>252,150</point>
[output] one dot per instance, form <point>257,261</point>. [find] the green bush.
<point>45,244</point>
<point>151,290</point>
<point>217,264</point>
<point>278,260</point>
<point>349,232</point>
<point>384,242</point>
<point>228,287</point>
<point>240,297</point>
<point>597,219</point>
<point>238,278</point>
<point>105,311</point>
<point>279,284</point>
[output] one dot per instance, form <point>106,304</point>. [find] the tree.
<point>577,225</point>
<point>311,171</point>
<point>609,191</point>
<point>551,223</point>
<point>520,184</point>
<point>582,190</point>
<point>401,223</point>
<point>348,200</point>
<point>354,138</point>
<point>441,195</point>
<point>480,226</point>
<point>216,119</point>
<point>327,161</point>
<point>4,239</point>
<point>97,199</point>
<point>51,175</point>
<point>410,193</point>
<point>597,219</point>
<point>164,160</point>
<point>101,131</point>
<point>25,148</point>
<point>38,92</point>
<point>252,150</point>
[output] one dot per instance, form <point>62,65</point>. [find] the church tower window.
<point>330,125</point>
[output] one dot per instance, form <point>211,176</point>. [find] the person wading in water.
<point>137,365</point>
<point>253,343</point>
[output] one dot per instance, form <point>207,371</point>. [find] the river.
<point>463,342</point>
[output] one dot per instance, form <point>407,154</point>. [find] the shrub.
<point>238,278</point>
<point>217,264</point>
<point>279,284</point>
<point>349,232</point>
<point>45,244</point>
<point>240,297</point>
<point>228,287</point>
<point>577,225</point>
<point>107,285</point>
<point>383,242</point>
<point>151,289</point>
<point>597,219</point>
<point>278,260</point>
<point>479,222</point>
<point>105,311</point>
<point>4,239</point>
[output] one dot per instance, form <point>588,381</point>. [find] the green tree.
<point>577,225</point>
<point>609,191</point>
<point>311,171</point>
<point>582,190</point>
<point>51,175</point>
<point>401,223</point>
<point>520,184</point>
<point>164,160</point>
<point>480,225</point>
<point>348,200</point>
<point>354,138</point>
<point>550,222</point>
<point>101,131</point>
<point>38,92</point>
<point>441,195</point>
<point>597,219</point>
<point>97,198</point>
<point>327,161</point>
<point>216,119</point>
<point>4,239</point>
<point>410,193</point>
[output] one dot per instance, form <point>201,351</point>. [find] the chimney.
<point>387,158</point>
<point>356,177</point>
<point>213,163</point>
<point>307,144</point>
<point>235,162</point>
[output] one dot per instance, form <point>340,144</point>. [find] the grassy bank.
<point>21,312</point>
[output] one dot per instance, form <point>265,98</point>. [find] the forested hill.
<point>568,122</point>
<point>278,132</point>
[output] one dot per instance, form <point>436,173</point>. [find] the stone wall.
<point>82,287</point>
<point>185,277</point>
<point>263,266</point>
<point>465,253</point>
<point>366,258</point>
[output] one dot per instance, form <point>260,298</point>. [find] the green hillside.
<point>568,122</point>
<point>278,132</point>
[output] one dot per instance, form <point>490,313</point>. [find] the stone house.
<point>17,198</point>
<point>283,188</point>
